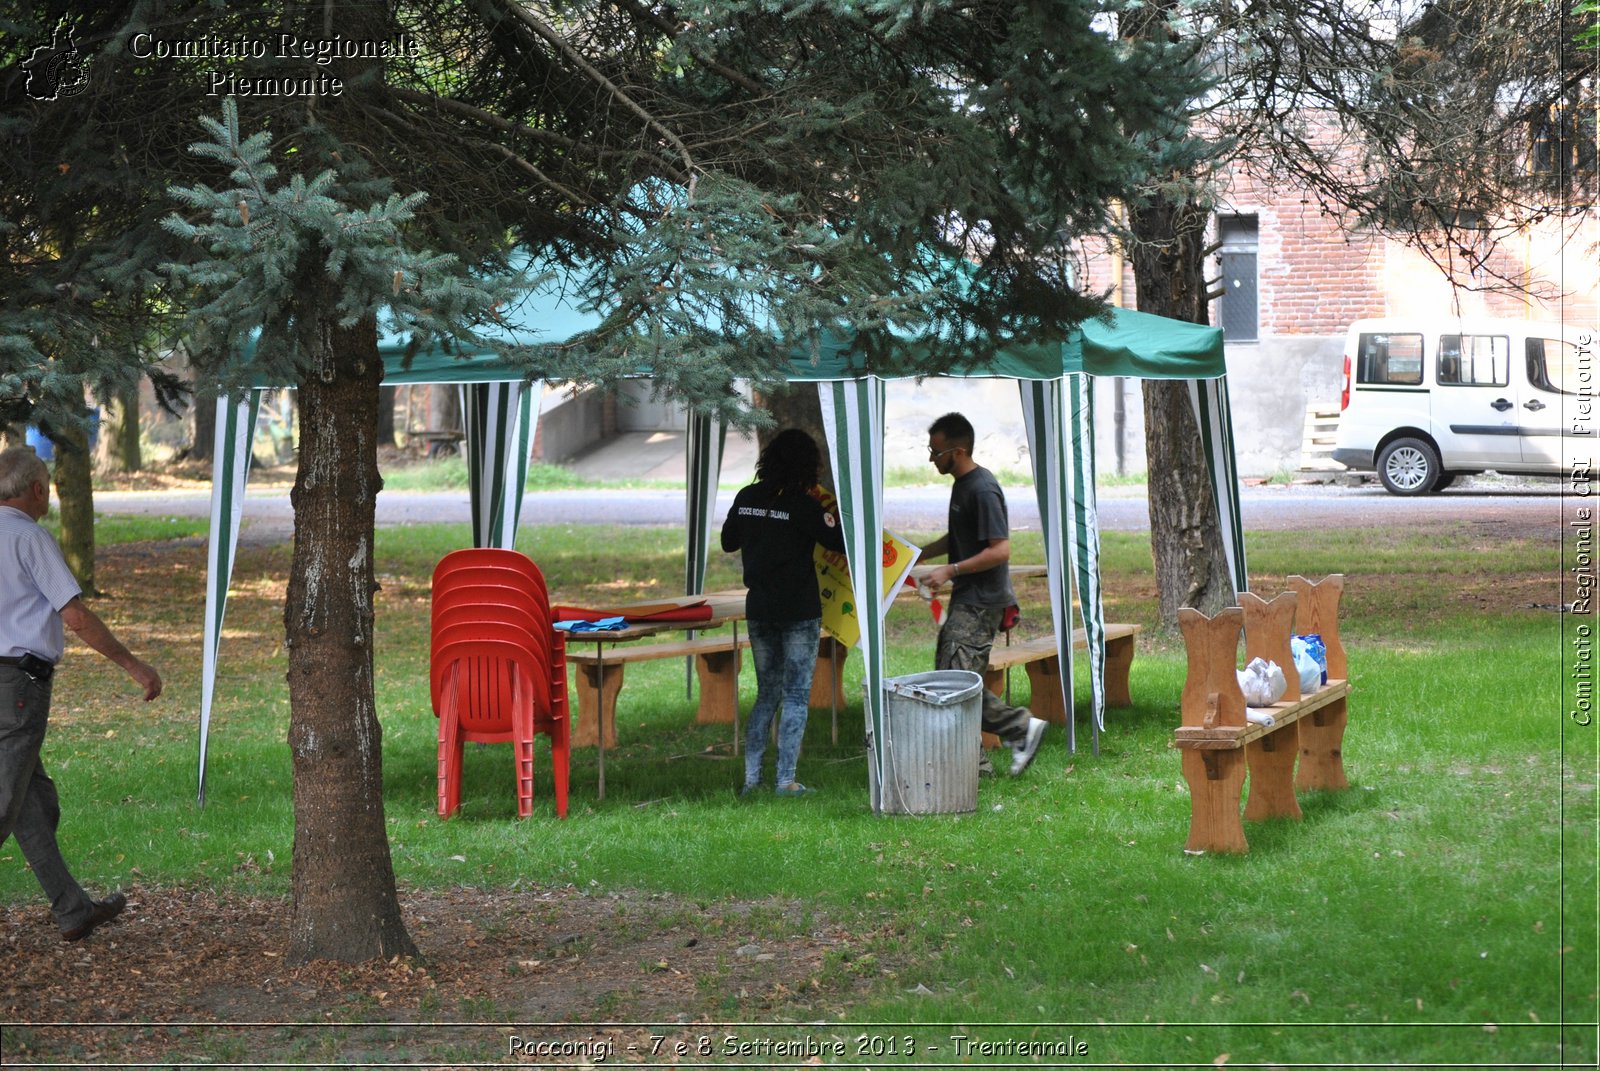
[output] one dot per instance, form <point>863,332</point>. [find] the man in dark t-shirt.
<point>978,542</point>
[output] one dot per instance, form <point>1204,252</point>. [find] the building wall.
<point>1314,277</point>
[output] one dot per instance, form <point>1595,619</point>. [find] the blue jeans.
<point>29,808</point>
<point>785,654</point>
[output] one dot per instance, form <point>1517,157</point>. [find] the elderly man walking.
<point>37,595</point>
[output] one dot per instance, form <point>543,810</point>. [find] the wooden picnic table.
<point>600,681</point>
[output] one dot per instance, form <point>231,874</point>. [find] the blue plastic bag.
<point>1317,650</point>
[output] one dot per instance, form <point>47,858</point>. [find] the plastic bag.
<point>1262,683</point>
<point>1305,665</point>
<point>1318,651</point>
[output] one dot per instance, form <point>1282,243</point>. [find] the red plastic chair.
<point>491,602</point>
<point>476,558</point>
<point>486,594</point>
<point>510,569</point>
<point>486,598</point>
<point>489,686</point>
<point>515,614</point>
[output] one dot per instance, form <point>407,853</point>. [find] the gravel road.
<point>1533,506</point>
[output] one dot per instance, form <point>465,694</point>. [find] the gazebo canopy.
<point>1053,383</point>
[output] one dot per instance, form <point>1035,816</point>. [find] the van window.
<point>1474,360</point>
<point>1552,364</point>
<point>1392,359</point>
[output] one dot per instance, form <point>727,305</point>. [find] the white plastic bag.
<point>1305,664</point>
<point>1262,683</point>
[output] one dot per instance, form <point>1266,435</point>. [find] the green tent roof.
<point>1127,343</point>
<point>1133,344</point>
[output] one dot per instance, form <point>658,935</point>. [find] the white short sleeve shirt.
<point>35,584</point>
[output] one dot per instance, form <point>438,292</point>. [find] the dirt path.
<point>186,975</point>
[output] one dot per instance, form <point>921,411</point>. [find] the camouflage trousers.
<point>964,641</point>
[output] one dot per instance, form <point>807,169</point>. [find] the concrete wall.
<point>1270,384</point>
<point>637,410</point>
<point>568,424</point>
<point>993,406</point>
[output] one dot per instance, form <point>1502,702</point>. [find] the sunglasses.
<point>935,455</point>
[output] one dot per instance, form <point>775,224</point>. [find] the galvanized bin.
<point>931,759</point>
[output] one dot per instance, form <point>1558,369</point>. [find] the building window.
<point>1237,312</point>
<point>1564,142</point>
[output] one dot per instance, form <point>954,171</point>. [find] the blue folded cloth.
<point>605,624</point>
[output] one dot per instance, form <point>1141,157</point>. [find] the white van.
<point>1424,400</point>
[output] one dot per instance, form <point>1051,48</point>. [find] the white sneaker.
<point>1023,751</point>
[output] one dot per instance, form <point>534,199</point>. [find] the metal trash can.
<point>934,729</point>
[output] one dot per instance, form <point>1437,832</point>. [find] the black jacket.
<point>774,531</point>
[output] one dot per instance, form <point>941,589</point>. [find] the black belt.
<point>38,668</point>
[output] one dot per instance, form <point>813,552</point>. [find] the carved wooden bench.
<point>1221,746</point>
<point>1043,663</point>
<point>716,661</point>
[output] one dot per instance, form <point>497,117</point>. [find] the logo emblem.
<point>56,70</point>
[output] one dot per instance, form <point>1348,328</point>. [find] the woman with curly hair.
<point>775,523</point>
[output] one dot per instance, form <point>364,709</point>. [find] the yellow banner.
<point>833,578</point>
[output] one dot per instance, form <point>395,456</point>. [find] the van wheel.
<point>1408,467</point>
<point>1445,480</point>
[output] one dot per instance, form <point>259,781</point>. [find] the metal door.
<point>1475,403</point>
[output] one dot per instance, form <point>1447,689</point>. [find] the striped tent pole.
<point>1214,417</point>
<point>704,443</point>
<point>706,437</point>
<point>1084,547</point>
<point>500,423</point>
<point>1042,418</point>
<point>852,414</point>
<point>526,408</point>
<point>230,464</point>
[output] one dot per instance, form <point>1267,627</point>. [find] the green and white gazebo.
<point>1054,386</point>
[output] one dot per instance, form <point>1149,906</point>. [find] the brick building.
<point>1293,279</point>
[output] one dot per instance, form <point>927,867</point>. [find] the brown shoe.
<point>104,911</point>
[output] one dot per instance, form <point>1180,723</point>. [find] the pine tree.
<point>725,180</point>
<point>291,279</point>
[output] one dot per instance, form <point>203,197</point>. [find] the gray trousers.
<point>29,807</point>
<point>965,638</point>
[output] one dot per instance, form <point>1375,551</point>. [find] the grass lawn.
<point>1439,913</point>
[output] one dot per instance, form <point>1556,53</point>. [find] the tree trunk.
<point>75,490</point>
<point>386,397</point>
<point>202,446</point>
<point>345,904</point>
<point>1168,255</point>
<point>797,406</point>
<point>118,449</point>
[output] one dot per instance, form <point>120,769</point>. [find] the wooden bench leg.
<point>719,687</point>
<point>592,693</point>
<point>1321,744</point>
<point>1270,760</point>
<point>1119,665</point>
<point>827,681</point>
<point>1044,678</point>
<point>1216,781</point>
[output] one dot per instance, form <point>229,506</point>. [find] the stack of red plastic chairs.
<point>498,671</point>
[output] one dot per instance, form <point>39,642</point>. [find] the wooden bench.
<point>1221,745</point>
<point>716,660</point>
<point>1043,663</point>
